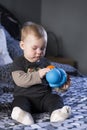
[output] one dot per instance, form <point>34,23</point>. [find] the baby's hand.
<point>65,86</point>
<point>42,72</point>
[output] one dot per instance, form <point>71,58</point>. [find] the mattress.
<point>76,97</point>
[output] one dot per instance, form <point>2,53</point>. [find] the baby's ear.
<point>22,45</point>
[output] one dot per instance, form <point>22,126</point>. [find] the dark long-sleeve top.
<point>27,79</point>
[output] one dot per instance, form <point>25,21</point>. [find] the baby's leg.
<point>22,116</point>
<point>60,114</point>
<point>54,104</point>
<point>21,110</point>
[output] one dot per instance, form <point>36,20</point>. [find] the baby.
<point>32,93</point>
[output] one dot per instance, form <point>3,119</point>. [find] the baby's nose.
<point>39,51</point>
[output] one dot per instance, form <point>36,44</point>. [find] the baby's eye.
<point>42,48</point>
<point>34,48</point>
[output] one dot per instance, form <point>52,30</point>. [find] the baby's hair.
<point>32,28</point>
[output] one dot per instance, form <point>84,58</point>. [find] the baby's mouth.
<point>38,57</point>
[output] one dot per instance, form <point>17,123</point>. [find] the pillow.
<point>68,68</point>
<point>10,22</point>
<point>4,54</point>
<point>52,45</point>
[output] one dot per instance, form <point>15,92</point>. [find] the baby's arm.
<point>30,78</point>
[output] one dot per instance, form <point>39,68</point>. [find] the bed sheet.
<point>76,97</point>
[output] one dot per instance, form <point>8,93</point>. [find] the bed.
<point>74,97</point>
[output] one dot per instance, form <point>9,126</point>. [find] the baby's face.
<point>33,48</point>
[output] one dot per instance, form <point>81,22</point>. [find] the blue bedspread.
<point>76,97</point>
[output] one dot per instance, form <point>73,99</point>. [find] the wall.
<point>25,10</point>
<point>68,20</point>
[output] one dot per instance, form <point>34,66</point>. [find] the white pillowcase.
<point>4,54</point>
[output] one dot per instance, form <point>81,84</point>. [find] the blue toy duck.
<point>56,77</point>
